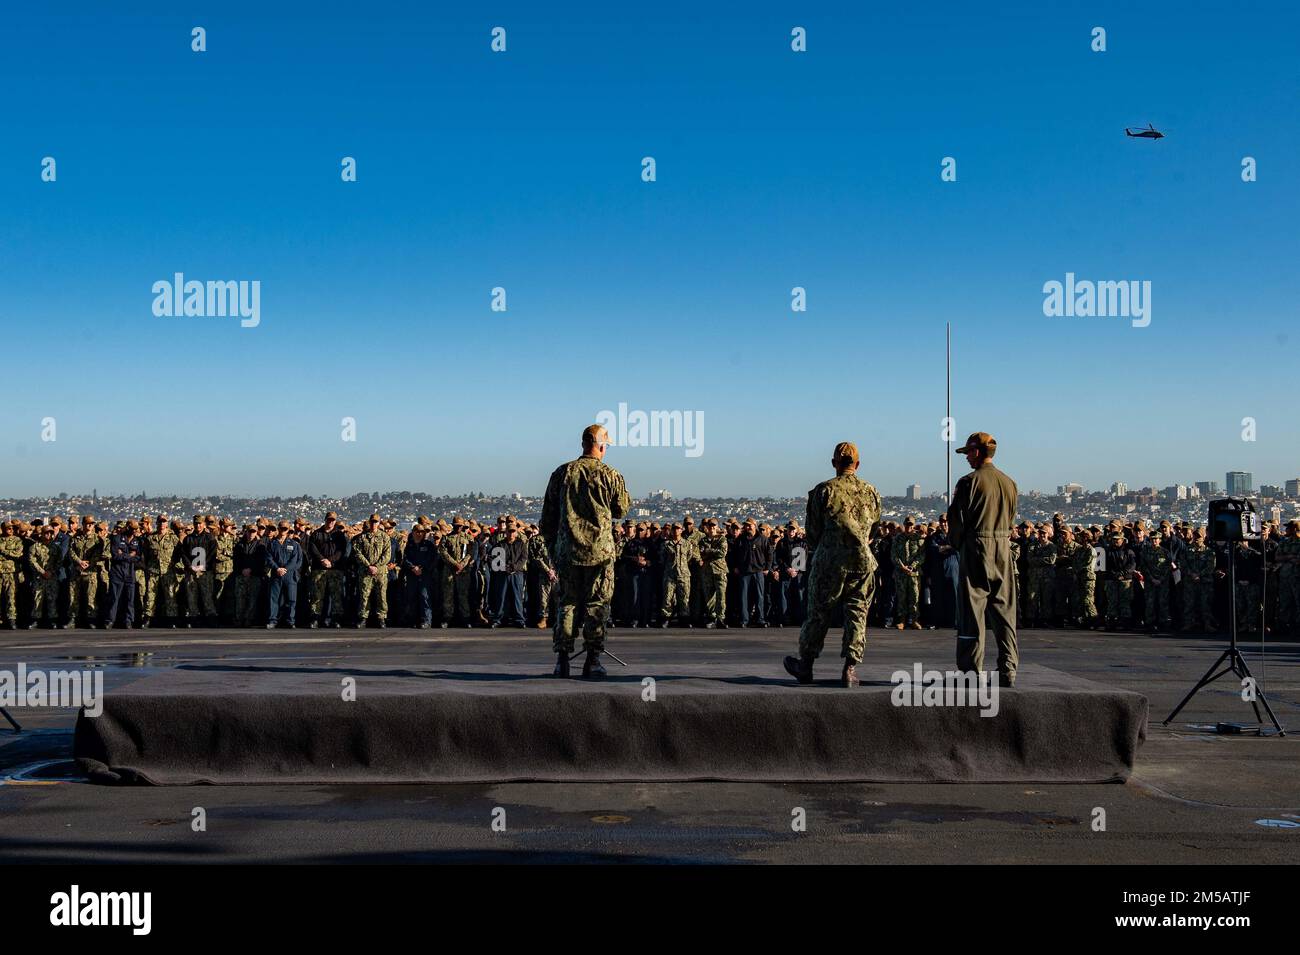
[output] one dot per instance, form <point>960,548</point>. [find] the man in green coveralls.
<point>980,519</point>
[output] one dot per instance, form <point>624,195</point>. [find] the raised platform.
<point>230,724</point>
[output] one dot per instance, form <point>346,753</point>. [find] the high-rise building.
<point>913,493</point>
<point>1072,488</point>
<point>1239,483</point>
<point>1119,489</point>
<point>1207,488</point>
<point>1293,487</point>
<point>1270,490</point>
<point>1176,492</point>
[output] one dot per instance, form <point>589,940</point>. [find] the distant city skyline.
<point>1285,486</point>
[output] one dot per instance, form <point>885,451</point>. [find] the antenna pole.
<point>947,447</point>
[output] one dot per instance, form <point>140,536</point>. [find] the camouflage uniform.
<point>1068,596</point>
<point>11,555</point>
<point>907,555</point>
<point>372,549</point>
<point>697,580</point>
<point>1157,584</point>
<point>160,575</point>
<point>327,585</point>
<point>457,547</point>
<point>84,584</point>
<point>1084,560</point>
<point>105,564</point>
<point>1288,583</point>
<point>1198,587</point>
<point>1015,574</point>
<point>194,558</point>
<point>223,567</point>
<point>1042,577</point>
<point>45,592</point>
<point>677,557</point>
<point>583,499</point>
<point>539,564</point>
<point>840,515</point>
<point>712,552</point>
<point>1249,594</point>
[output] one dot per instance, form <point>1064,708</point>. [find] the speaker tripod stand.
<point>1231,660</point>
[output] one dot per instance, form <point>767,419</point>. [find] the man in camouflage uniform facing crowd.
<point>841,513</point>
<point>583,499</point>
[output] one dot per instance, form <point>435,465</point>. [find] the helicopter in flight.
<point>1149,133</point>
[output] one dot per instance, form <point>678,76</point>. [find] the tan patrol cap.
<point>979,440</point>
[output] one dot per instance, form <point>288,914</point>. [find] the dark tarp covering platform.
<point>230,724</point>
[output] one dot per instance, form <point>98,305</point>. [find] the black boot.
<point>801,668</point>
<point>561,665</point>
<point>592,667</point>
<point>849,678</point>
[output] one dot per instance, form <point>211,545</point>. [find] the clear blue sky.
<point>522,170</point>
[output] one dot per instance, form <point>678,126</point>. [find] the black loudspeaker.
<point>1233,519</point>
